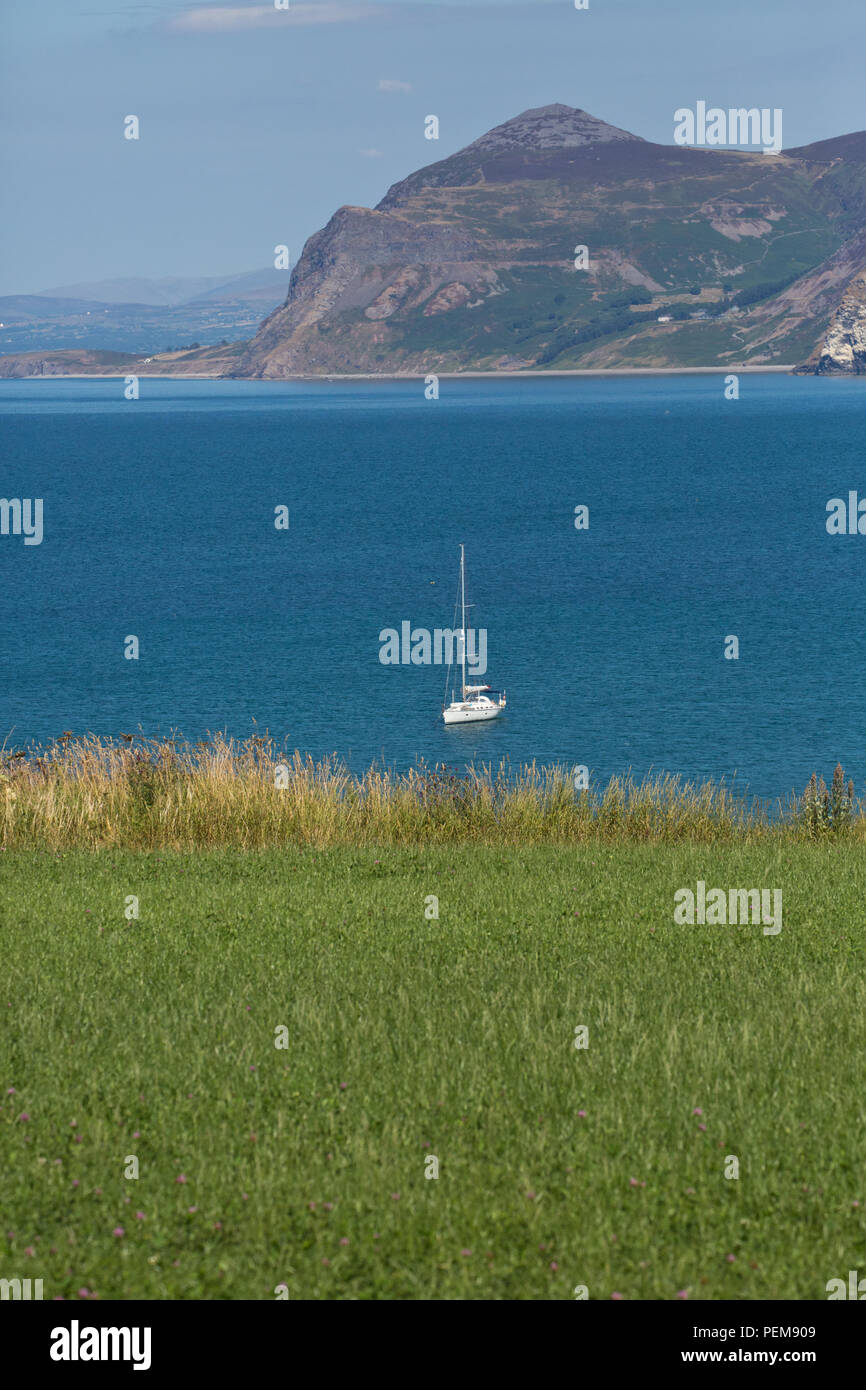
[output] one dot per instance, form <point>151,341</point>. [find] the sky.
<point>257,123</point>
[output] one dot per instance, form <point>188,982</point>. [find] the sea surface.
<point>707,519</point>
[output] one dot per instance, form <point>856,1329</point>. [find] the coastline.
<point>411,376</point>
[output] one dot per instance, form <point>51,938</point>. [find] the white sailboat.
<point>475,702</point>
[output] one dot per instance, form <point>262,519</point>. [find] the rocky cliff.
<point>843,347</point>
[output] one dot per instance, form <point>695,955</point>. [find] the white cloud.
<point>391,84</point>
<point>223,19</point>
<point>371,154</point>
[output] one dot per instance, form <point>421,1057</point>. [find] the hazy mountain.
<point>139,314</point>
<point>172,290</point>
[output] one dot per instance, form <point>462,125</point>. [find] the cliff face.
<point>843,348</point>
<point>366,265</point>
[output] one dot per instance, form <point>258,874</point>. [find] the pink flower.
<point>83,1293</point>
<point>344,1240</point>
<point>192,1210</point>
<point>24,1116</point>
<point>311,1206</point>
<point>466,1253</point>
<point>701,1126</point>
<point>855,1204</point>
<point>136,1134</point>
<point>328,1206</point>
<point>343,1085</point>
<point>75,1182</point>
<point>616,1296</point>
<point>139,1216</point>
<point>244,1197</point>
<point>730,1259</point>
<point>633,1182</point>
<point>395,1196</point>
<point>11,1091</point>
<point>697,1110</point>
<point>554,1266</point>
<point>73,1124</point>
<point>682,1293</point>
<point>181,1177</point>
<point>118,1231</point>
<point>530,1196</point>
<point>28,1250</point>
<point>581,1114</point>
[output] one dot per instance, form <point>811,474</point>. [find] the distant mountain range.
<point>140,314</point>
<point>696,258</point>
<point>174,290</point>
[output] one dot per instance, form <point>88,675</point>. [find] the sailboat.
<point>475,702</point>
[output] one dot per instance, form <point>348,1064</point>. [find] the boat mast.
<point>463,619</point>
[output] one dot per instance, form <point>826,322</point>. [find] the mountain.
<point>138,314</point>
<point>172,290</point>
<point>697,257</point>
<point>135,289</point>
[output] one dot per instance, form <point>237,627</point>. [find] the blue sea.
<point>707,519</point>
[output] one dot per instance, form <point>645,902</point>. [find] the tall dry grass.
<point>161,794</point>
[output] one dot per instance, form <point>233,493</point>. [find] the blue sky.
<point>256,124</point>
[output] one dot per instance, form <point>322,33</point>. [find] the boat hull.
<point>469,714</point>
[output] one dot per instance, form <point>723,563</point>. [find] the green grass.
<point>409,1037</point>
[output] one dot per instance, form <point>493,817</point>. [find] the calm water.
<point>707,518</point>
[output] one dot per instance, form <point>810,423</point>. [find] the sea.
<point>697,618</point>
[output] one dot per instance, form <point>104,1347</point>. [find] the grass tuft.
<point>93,793</point>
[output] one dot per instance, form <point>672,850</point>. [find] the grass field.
<point>409,1037</point>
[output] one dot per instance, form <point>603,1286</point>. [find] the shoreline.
<point>413,376</point>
